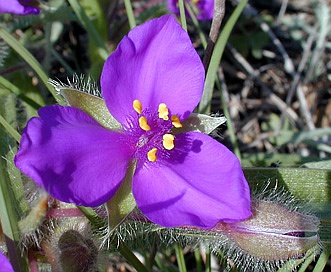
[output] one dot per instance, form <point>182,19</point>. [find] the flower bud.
<point>273,233</point>
<point>77,253</point>
<point>72,247</point>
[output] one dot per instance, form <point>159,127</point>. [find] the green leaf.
<point>9,220</point>
<point>29,58</point>
<point>267,159</point>
<point>319,165</point>
<point>10,129</point>
<point>305,184</point>
<point>92,105</point>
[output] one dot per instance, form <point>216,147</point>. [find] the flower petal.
<point>201,184</point>
<point>205,8</point>
<point>5,264</point>
<point>156,63</point>
<point>15,7</point>
<point>73,157</point>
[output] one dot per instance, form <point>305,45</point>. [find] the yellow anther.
<point>196,1</point>
<point>143,123</point>
<point>168,141</point>
<point>151,155</point>
<point>137,106</point>
<point>163,111</point>
<point>176,122</point>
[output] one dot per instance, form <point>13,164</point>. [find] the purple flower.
<point>20,7</point>
<point>151,83</point>
<point>205,8</point>
<point>5,264</point>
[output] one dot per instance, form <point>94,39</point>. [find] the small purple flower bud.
<point>273,232</point>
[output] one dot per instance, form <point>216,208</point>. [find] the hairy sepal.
<point>83,93</point>
<point>92,105</point>
<point>123,202</point>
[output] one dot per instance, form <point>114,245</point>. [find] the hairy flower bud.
<point>273,232</point>
<point>77,252</point>
<point>72,247</point>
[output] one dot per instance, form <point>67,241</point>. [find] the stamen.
<point>176,122</point>
<point>168,141</point>
<point>195,1</point>
<point>137,106</point>
<point>151,155</point>
<point>163,111</point>
<point>143,123</point>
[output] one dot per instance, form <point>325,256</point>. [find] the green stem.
<point>204,106</point>
<point>195,21</point>
<point>92,216</point>
<point>208,260</point>
<point>306,263</point>
<point>182,14</point>
<point>322,260</point>
<point>180,258</point>
<point>90,28</point>
<point>198,260</point>
<point>131,258</point>
<point>129,12</point>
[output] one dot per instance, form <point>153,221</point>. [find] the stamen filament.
<point>143,123</point>
<point>137,106</point>
<point>151,155</point>
<point>163,111</point>
<point>168,141</point>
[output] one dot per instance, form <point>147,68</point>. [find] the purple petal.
<point>15,7</point>
<point>205,8</point>
<point>156,63</point>
<point>201,184</point>
<point>5,264</point>
<point>73,157</point>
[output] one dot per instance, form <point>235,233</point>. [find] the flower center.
<point>155,138</point>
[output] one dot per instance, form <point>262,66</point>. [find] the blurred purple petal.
<point>5,265</point>
<point>17,7</point>
<point>199,185</point>
<point>156,63</point>
<point>205,8</point>
<point>73,157</point>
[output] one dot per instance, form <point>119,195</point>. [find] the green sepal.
<point>123,202</point>
<point>200,123</point>
<point>92,105</point>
